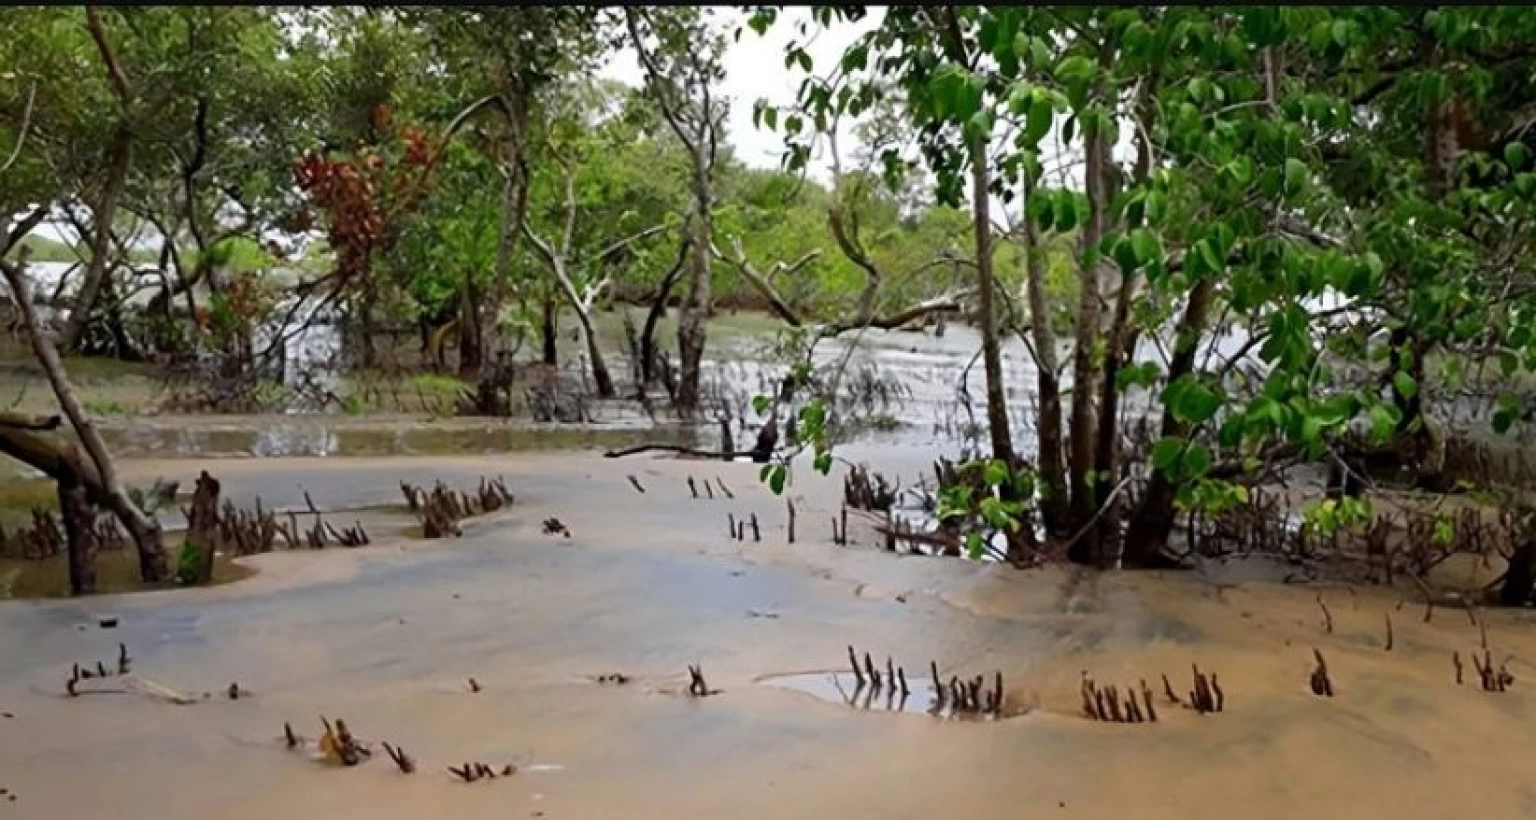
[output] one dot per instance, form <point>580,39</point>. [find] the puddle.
<point>842,687</point>
<point>116,571</point>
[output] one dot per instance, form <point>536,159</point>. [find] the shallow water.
<point>386,637</point>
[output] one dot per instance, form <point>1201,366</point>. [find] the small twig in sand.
<point>474,686</point>
<point>724,489</point>
<point>1456,659</point>
<point>1389,632</point>
<point>1327,616</point>
<point>635,482</point>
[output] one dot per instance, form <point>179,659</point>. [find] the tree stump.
<point>203,528</point>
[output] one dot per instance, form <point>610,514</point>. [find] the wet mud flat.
<point>388,636</point>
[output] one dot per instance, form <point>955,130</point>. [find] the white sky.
<point>754,69</point>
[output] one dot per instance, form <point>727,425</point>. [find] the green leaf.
<point>1405,384</point>
<point>1209,256</point>
<point>1038,122</point>
<point>771,117</point>
<point>1197,460</point>
<point>995,473</point>
<point>1190,401</point>
<point>1147,247</point>
<point>1166,453</point>
<point>1516,155</point>
<point>1340,33</point>
<point>823,463</point>
<point>974,546</point>
<point>1066,211</point>
<point>1075,69</point>
<point>776,479</point>
<point>760,404</point>
<point>1295,175</point>
<point>1384,420</point>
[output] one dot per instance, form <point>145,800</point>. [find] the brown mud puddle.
<point>117,571</point>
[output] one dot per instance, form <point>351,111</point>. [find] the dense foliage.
<point>1350,186</point>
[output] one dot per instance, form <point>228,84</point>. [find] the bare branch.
<point>23,227</point>
<point>21,136</point>
<point>763,282</point>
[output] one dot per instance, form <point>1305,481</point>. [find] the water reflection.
<point>318,438</point>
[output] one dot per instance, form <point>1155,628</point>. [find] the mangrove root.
<point>1322,685</point>
<point>697,686</point>
<point>403,761</point>
<point>338,745</point>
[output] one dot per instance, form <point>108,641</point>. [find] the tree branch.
<point>115,73</point>
<point>763,283</point>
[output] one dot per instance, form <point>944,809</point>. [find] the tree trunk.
<point>1153,521</point>
<point>514,207</point>
<point>550,327</point>
<point>471,334</point>
<point>119,157</point>
<point>695,310</point>
<point>658,309</point>
<point>991,351</point>
<point>1086,363</point>
<point>1053,469</point>
<point>600,375</point>
<point>144,529</point>
<point>203,527</point>
<point>79,517</point>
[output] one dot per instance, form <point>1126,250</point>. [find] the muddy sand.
<point>387,636</point>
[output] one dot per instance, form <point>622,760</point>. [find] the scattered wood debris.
<point>614,678</point>
<point>554,526</point>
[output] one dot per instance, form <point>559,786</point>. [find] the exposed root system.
<point>441,509</point>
